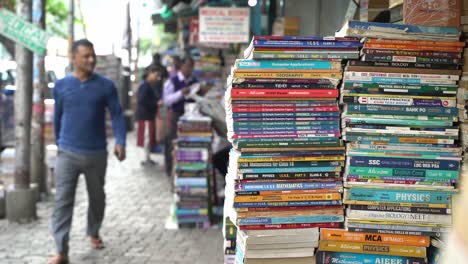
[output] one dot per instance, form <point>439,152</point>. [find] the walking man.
<point>81,99</point>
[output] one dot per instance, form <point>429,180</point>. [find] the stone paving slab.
<point>138,201</point>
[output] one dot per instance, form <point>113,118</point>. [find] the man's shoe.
<point>58,259</point>
<point>97,243</point>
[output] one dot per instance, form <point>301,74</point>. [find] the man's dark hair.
<point>81,42</point>
<point>187,59</point>
<point>152,68</point>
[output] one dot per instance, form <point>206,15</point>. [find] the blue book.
<point>202,182</point>
<point>405,163</point>
<point>404,28</point>
<point>281,204</point>
<point>286,64</point>
<point>400,196</point>
<point>325,257</point>
<point>306,44</point>
<point>289,186</point>
<point>291,220</point>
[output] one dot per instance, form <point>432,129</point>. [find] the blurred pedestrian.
<point>175,90</point>
<point>148,99</point>
<point>175,68</point>
<point>81,99</point>
<point>157,61</point>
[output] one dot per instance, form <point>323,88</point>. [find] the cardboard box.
<point>439,13</point>
<point>286,26</point>
<point>369,9</point>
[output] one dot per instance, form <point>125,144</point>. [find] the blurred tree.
<point>8,44</point>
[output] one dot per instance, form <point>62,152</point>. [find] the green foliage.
<point>56,17</point>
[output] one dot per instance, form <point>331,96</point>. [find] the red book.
<point>293,93</point>
<point>289,226</point>
<point>286,109</point>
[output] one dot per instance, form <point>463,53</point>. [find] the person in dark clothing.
<point>175,90</point>
<point>148,98</point>
<point>157,62</point>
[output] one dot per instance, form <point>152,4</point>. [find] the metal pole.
<point>71,30</point>
<point>23,104</point>
<point>38,168</point>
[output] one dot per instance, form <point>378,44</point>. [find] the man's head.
<point>186,66</point>
<point>83,56</point>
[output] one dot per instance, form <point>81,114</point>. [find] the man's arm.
<point>118,121</point>
<point>169,96</point>
<point>58,111</point>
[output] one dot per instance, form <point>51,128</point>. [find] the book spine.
<point>285,170</point>
<point>306,44</point>
<point>400,133</point>
<point>387,139</point>
<point>405,163</point>
<point>286,75</point>
<point>391,226</point>
<point>283,81</point>
<point>382,203</point>
<point>287,203</point>
<point>396,172</point>
<point>350,120</point>
<point>291,226</point>
<point>293,158</point>
<point>393,216</point>
<point>343,235</point>
<point>296,118</point>
<point>415,42</point>
<point>286,109</point>
<point>282,192</point>
<point>397,87</point>
<point>325,257</point>
<point>413,53</point>
<point>352,146</point>
<point>292,164</point>
<point>413,47</point>
<point>192,182</point>
<point>286,198</point>
<point>366,248</point>
<point>397,110</point>
<point>409,196</point>
<point>283,124</point>
<point>254,133</point>
<point>288,186</point>
<point>283,85</point>
<point>412,59</point>
<point>364,75</point>
<point>253,129</point>
<point>292,114</point>
<point>291,220</point>
<point>394,232</point>
<point>290,175</point>
<point>405,28</point>
<point>293,93</point>
<point>402,209</point>
<point>319,56</point>
<point>285,64</point>
<point>306,38</point>
<point>399,101</point>
<point>376,79</point>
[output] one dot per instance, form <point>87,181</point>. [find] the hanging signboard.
<point>23,32</point>
<point>224,25</point>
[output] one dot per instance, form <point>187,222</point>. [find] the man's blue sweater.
<point>80,112</point>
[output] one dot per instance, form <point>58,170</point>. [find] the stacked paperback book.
<point>403,158</point>
<point>284,177</point>
<point>230,235</point>
<point>193,171</point>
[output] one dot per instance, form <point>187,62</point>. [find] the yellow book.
<point>347,201</point>
<point>286,75</point>
<point>287,197</point>
<point>369,248</point>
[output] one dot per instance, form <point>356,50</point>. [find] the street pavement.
<point>138,201</point>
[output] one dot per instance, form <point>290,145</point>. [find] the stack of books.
<point>283,119</point>
<point>230,237</point>
<point>399,122</point>
<point>207,66</point>
<point>193,171</point>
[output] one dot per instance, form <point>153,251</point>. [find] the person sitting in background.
<point>148,97</point>
<point>175,90</point>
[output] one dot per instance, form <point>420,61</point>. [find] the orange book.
<point>412,47</point>
<point>438,13</point>
<point>387,239</point>
<point>416,42</point>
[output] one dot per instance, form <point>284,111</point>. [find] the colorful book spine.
<point>286,75</point>
<point>285,170</point>
<point>367,248</point>
<point>283,85</point>
<point>396,87</point>
<point>285,109</point>
<point>292,114</point>
<point>292,164</point>
<point>412,47</point>
<point>402,110</point>
<point>306,38</point>
<point>331,55</point>
<point>403,196</point>
<point>411,59</point>
<point>287,198</point>
<point>388,139</point>
<point>366,75</point>
<point>413,53</point>
<point>253,129</point>
<point>288,186</point>
<point>287,203</point>
<point>325,257</point>
<point>350,120</point>
<point>286,64</point>
<point>404,28</point>
<point>403,209</point>
<point>290,226</point>
<point>375,79</point>
<point>306,44</point>
<point>343,235</point>
<point>400,100</point>
<point>394,232</point>
<point>291,220</point>
<point>393,216</point>
<point>299,93</point>
<point>290,175</point>
<point>415,42</point>
<point>405,163</point>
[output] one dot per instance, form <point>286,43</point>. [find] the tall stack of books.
<point>403,161</point>
<point>284,177</point>
<point>193,171</point>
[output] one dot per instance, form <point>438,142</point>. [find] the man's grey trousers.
<point>68,168</point>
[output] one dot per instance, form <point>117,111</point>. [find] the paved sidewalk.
<point>137,207</point>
